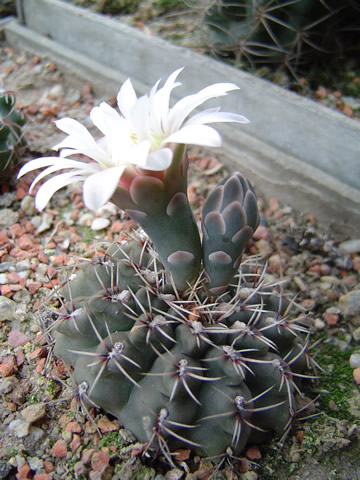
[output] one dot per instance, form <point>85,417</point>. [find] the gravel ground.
<point>42,435</point>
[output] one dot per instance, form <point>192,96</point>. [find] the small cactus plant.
<point>177,336</point>
<point>11,135</point>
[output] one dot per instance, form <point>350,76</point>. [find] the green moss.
<point>145,473</point>
<point>51,389</point>
<point>112,439</point>
<point>336,385</point>
<point>32,399</point>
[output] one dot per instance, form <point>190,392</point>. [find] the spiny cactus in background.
<point>173,335</point>
<point>293,33</point>
<point>11,135</point>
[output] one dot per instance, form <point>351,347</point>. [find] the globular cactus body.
<point>11,122</point>
<point>296,34</point>
<point>181,369</point>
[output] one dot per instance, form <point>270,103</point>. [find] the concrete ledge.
<point>294,149</point>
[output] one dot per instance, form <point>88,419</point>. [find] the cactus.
<point>295,33</point>
<point>11,136</point>
<point>172,332</point>
<point>209,368</point>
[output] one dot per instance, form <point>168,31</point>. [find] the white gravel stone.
<point>35,463</point>
<point>85,219</point>
<point>7,309</point>
<point>8,217</point>
<point>356,334</point>
<point>107,210</point>
<point>319,324</point>
<point>100,223</point>
<point>46,222</point>
<point>23,265</point>
<point>28,205</point>
<point>355,360</point>
<point>19,428</point>
<point>350,246</point>
<point>56,91</point>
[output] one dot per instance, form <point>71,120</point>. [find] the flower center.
<point>134,137</point>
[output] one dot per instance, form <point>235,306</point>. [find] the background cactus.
<point>207,368</point>
<point>296,33</point>
<point>11,135</point>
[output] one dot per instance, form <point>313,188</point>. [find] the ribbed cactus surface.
<point>11,122</point>
<point>209,368</point>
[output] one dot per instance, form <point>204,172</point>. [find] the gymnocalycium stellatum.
<point>172,332</point>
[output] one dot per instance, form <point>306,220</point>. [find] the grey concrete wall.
<point>294,148</point>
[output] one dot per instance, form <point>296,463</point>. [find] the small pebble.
<point>19,428</point>
<point>100,223</point>
<point>60,449</point>
<point>356,375</point>
<point>253,453</point>
<point>319,324</point>
<point>17,339</point>
<point>28,205</point>
<point>350,246</point>
<point>350,303</point>
<point>45,223</point>
<point>107,210</point>
<point>7,309</point>
<point>33,413</point>
<point>355,360</point>
<point>85,219</point>
<point>56,91</point>
<point>35,463</point>
<point>356,334</point>
<point>8,217</point>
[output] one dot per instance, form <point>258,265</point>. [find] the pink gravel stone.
<point>17,339</point>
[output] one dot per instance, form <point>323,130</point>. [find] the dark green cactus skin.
<point>11,122</point>
<point>229,219</point>
<point>161,207</point>
<point>291,33</point>
<point>181,370</point>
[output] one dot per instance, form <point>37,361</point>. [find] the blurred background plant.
<point>296,34</point>
<point>7,7</point>
<point>11,135</point>
<point>310,46</point>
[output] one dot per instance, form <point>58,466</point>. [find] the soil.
<point>43,434</point>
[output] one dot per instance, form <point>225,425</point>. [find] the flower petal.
<point>196,135</point>
<point>139,118</point>
<point>160,103</point>
<point>160,159</point>
<point>106,119</point>
<point>79,139</point>
<point>47,190</point>
<point>83,170</point>
<point>186,105</point>
<point>99,187</point>
<point>37,163</point>
<point>126,98</point>
<point>209,116</point>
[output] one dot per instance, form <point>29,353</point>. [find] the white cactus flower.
<point>139,137</point>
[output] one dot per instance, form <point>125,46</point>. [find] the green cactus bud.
<point>229,219</point>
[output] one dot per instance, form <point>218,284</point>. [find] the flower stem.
<point>161,208</point>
